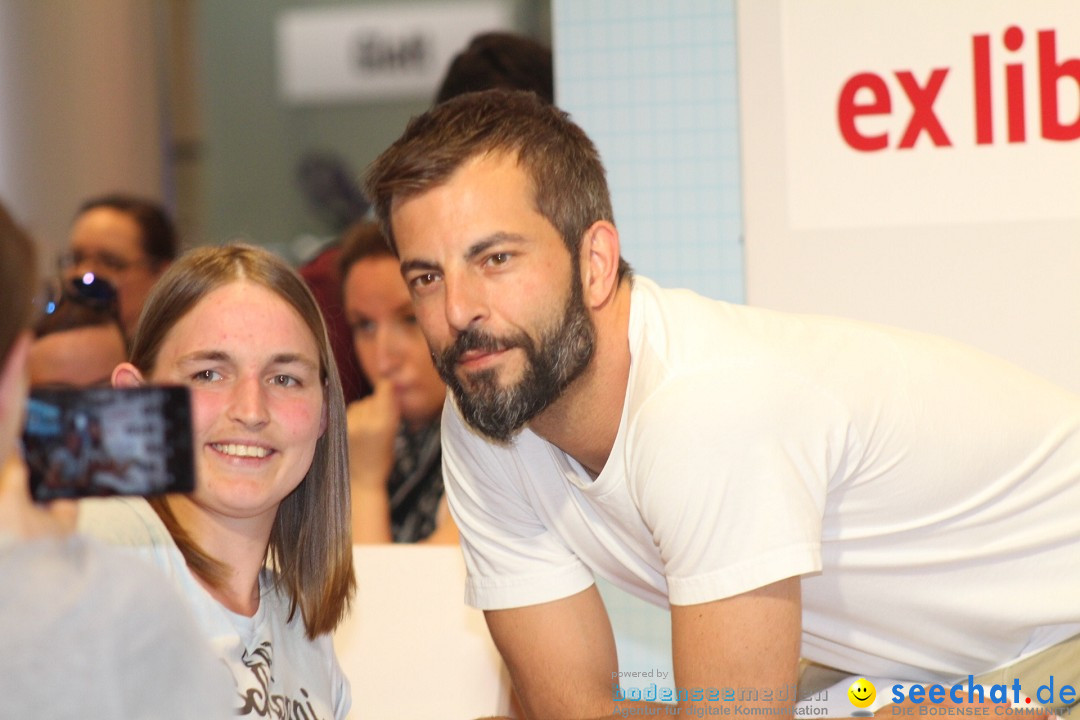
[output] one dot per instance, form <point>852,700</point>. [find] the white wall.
<point>80,108</point>
<point>980,242</point>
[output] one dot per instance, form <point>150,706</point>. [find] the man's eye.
<point>285,380</point>
<point>499,258</point>
<point>424,280</point>
<point>206,376</point>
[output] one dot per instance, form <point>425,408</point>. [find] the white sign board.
<point>929,111</point>
<point>376,52</point>
<point>917,163</point>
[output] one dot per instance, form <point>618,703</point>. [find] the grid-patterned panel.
<point>655,85</point>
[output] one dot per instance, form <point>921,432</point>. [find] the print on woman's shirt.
<point>259,701</point>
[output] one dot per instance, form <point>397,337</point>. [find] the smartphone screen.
<point>97,442</point>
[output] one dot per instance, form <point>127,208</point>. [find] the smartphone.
<point>96,442</point>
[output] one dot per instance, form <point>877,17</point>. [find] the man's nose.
<point>466,302</point>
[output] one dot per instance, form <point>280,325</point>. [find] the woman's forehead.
<point>247,317</point>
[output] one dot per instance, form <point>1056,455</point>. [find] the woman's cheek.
<point>299,419</point>
<point>206,408</point>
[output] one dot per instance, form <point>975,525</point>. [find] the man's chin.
<point>499,436</point>
<point>481,417</point>
<point>480,422</point>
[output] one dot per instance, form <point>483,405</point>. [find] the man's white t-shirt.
<point>278,671</point>
<point>927,493</point>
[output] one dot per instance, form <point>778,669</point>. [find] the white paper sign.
<point>931,112</point>
<point>371,52</point>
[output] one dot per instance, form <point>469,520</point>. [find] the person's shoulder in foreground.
<point>91,633</point>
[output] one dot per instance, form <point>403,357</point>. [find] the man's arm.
<point>749,642</point>
<point>561,655</point>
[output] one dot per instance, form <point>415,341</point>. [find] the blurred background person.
<point>126,240</point>
<point>395,457</point>
<point>85,631</point>
<point>78,340</point>
<point>499,60</point>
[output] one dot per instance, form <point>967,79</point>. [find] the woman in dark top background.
<point>395,457</point>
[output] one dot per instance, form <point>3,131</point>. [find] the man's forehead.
<point>480,162</point>
<point>479,195</point>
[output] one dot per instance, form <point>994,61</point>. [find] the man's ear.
<point>600,263</point>
<point>126,375</point>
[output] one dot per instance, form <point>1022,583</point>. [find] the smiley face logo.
<point>862,693</point>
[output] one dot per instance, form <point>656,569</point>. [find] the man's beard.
<point>562,354</point>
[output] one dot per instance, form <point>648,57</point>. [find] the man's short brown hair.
<point>563,166</point>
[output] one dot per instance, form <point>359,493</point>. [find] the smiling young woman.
<point>262,548</point>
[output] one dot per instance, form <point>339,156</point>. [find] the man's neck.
<point>584,422</point>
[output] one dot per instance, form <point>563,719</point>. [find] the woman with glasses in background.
<point>128,241</point>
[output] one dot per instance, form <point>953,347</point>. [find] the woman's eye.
<point>285,380</point>
<point>363,327</point>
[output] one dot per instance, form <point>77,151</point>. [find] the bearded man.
<point>875,501</point>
